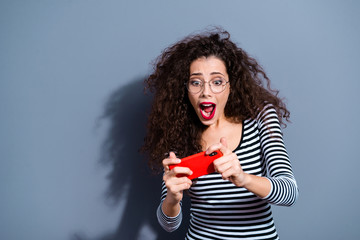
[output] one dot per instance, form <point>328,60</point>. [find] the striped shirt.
<point>220,210</point>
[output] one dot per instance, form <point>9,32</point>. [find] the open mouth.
<point>207,110</point>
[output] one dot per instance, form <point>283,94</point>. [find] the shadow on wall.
<point>130,178</point>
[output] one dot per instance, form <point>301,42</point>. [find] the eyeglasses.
<point>196,86</point>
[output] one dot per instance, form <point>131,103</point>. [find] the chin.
<point>207,122</point>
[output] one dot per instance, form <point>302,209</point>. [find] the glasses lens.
<point>194,86</point>
<point>217,85</point>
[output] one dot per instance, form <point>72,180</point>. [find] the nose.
<point>206,89</point>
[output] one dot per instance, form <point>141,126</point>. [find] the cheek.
<point>223,100</point>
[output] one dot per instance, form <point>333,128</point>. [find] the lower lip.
<point>210,116</point>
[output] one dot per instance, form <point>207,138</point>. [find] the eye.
<point>217,82</point>
<point>195,83</point>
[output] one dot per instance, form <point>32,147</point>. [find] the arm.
<point>169,212</point>
<point>278,186</point>
<point>169,222</point>
<point>230,169</point>
<point>284,190</point>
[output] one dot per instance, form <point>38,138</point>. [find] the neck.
<point>219,123</point>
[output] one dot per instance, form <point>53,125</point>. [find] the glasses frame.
<point>203,86</point>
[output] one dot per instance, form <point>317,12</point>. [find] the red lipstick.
<point>207,110</point>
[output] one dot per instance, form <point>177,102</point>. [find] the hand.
<point>175,185</point>
<point>228,165</point>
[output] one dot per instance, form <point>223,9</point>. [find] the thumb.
<point>172,155</point>
<point>223,142</point>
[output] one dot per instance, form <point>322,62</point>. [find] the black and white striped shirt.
<point>220,210</point>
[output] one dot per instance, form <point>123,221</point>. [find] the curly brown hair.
<point>173,124</point>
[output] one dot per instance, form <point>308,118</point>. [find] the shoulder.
<point>267,116</point>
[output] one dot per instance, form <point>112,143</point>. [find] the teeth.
<point>207,105</point>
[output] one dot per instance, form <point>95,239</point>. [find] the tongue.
<point>208,109</point>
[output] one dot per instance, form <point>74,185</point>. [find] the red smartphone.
<point>199,163</point>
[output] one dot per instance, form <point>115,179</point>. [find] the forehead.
<point>206,65</point>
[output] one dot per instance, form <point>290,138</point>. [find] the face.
<point>209,106</point>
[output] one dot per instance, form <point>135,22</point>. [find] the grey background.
<point>64,64</point>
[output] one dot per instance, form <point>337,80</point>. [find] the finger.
<point>223,142</point>
<point>226,158</point>
<point>222,146</point>
<point>172,155</point>
<point>227,162</point>
<point>182,170</point>
<point>228,172</point>
<point>170,182</point>
<point>177,188</point>
<point>182,180</point>
<point>213,148</point>
<point>222,165</point>
<point>177,172</point>
<point>172,159</point>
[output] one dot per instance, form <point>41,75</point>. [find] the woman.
<point>209,96</point>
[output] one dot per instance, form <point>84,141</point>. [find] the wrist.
<point>170,207</point>
<point>247,179</point>
<point>261,186</point>
<point>170,201</point>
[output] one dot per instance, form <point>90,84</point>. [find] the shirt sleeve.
<point>170,224</point>
<point>284,190</point>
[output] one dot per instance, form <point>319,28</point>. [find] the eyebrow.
<point>213,73</point>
